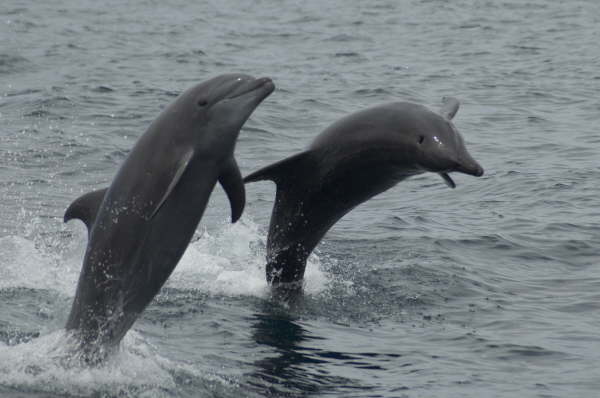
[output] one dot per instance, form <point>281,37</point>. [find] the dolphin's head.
<point>221,105</point>
<point>439,147</point>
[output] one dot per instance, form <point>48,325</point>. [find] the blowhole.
<point>421,139</point>
<point>202,102</point>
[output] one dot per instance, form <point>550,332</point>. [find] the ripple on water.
<point>13,63</point>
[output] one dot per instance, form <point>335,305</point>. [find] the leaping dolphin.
<point>140,226</point>
<point>354,159</point>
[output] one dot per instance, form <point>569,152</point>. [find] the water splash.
<point>48,365</point>
<point>231,262</point>
<point>27,263</point>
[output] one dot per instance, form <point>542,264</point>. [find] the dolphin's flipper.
<point>183,164</point>
<point>278,171</point>
<point>449,107</point>
<point>231,181</point>
<point>85,207</point>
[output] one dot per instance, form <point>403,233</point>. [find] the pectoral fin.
<point>183,164</point>
<point>230,179</point>
<point>85,207</point>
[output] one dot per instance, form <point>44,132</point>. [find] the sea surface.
<point>488,290</point>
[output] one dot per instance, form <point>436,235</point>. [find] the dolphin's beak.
<point>467,166</point>
<point>470,167</point>
<point>263,83</point>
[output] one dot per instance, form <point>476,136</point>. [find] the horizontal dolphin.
<point>354,159</point>
<point>140,226</point>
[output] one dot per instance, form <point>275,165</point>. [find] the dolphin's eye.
<point>202,103</point>
<point>421,139</point>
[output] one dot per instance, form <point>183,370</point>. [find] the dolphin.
<point>140,226</point>
<point>354,159</point>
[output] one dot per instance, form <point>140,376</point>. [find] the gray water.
<point>488,290</point>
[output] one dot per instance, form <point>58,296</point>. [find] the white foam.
<point>47,365</point>
<point>228,261</point>
<point>29,262</point>
<point>231,261</point>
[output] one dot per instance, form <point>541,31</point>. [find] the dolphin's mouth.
<point>264,83</point>
<point>448,180</point>
<point>473,169</point>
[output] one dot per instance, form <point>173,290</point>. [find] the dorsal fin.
<point>231,181</point>
<point>281,169</point>
<point>86,207</point>
<point>449,107</point>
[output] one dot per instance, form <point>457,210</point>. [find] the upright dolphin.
<point>139,226</point>
<point>354,159</point>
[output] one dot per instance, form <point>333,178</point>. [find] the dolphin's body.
<point>354,159</point>
<point>140,226</point>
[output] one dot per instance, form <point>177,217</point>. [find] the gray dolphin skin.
<point>354,159</point>
<point>140,226</point>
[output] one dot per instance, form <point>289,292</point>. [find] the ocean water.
<point>488,290</point>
